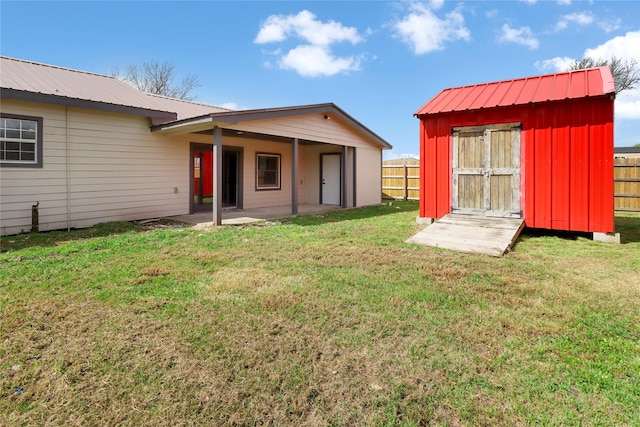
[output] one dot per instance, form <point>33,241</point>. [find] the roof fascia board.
<point>19,95</point>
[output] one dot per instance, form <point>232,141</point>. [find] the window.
<point>20,141</point>
<point>267,171</point>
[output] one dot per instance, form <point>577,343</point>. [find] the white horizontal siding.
<point>118,170</point>
<point>368,177</point>
<point>311,127</point>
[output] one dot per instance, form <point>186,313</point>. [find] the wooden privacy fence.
<point>626,178</point>
<point>401,182</point>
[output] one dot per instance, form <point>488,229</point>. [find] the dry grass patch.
<point>328,320</point>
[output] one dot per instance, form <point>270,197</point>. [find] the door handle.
<point>323,181</point>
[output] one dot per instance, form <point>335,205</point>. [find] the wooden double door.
<point>486,170</point>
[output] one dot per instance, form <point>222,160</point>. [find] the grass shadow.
<point>55,237</point>
<point>386,208</point>
<point>628,225</point>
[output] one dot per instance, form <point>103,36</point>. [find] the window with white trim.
<point>267,171</point>
<point>20,141</point>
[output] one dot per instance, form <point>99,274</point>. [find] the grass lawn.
<point>317,320</point>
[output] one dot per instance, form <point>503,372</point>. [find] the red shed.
<point>538,148</point>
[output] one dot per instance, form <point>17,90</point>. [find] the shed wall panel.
<point>566,161</point>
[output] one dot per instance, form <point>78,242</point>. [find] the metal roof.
<point>185,109</point>
<point>34,78</point>
<point>552,87</point>
<point>32,81</point>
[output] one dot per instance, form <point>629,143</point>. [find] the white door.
<point>330,179</point>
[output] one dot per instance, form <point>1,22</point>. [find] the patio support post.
<point>294,177</point>
<point>343,176</point>
<point>217,176</point>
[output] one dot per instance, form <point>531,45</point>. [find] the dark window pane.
<point>28,134</point>
<point>28,125</point>
<point>12,155</point>
<point>270,178</point>
<point>28,147</point>
<point>13,133</point>
<point>1,132</point>
<point>13,146</point>
<point>28,156</point>
<point>13,124</point>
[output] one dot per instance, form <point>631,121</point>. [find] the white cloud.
<point>425,32</point>
<point>627,105</point>
<point>230,105</point>
<point>313,57</point>
<point>520,35</point>
<point>554,64</point>
<point>580,18</point>
<point>529,1</point>
<point>390,155</point>
<point>277,28</point>
<point>609,26</point>
<point>564,2</point>
<point>627,46</point>
<point>314,61</point>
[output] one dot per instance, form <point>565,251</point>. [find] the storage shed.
<point>537,148</point>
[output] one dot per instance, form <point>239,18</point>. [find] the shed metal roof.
<point>552,87</point>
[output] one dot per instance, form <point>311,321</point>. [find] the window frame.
<point>37,163</point>
<point>278,184</point>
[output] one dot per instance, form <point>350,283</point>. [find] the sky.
<point>380,61</point>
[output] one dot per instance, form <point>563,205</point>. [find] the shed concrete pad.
<point>471,233</point>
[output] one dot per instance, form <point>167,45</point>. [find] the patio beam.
<point>294,177</point>
<point>217,176</point>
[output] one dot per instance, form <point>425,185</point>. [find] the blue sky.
<point>378,60</point>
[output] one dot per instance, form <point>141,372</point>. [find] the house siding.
<point>368,176</point>
<point>312,127</point>
<point>118,170</point>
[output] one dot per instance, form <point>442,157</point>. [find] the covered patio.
<point>285,161</point>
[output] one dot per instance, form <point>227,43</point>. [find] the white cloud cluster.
<point>522,35</point>
<point>425,32</point>
<point>579,18</point>
<point>554,64</point>
<point>314,56</point>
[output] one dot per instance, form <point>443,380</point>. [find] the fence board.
<point>401,182</point>
<point>626,182</point>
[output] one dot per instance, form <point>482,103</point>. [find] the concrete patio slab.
<point>248,216</point>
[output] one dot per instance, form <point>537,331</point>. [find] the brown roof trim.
<point>239,116</point>
<point>6,93</point>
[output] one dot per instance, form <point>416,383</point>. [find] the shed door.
<point>486,170</point>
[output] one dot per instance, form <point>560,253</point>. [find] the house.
<point>539,149</point>
<point>626,152</point>
<point>88,148</point>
